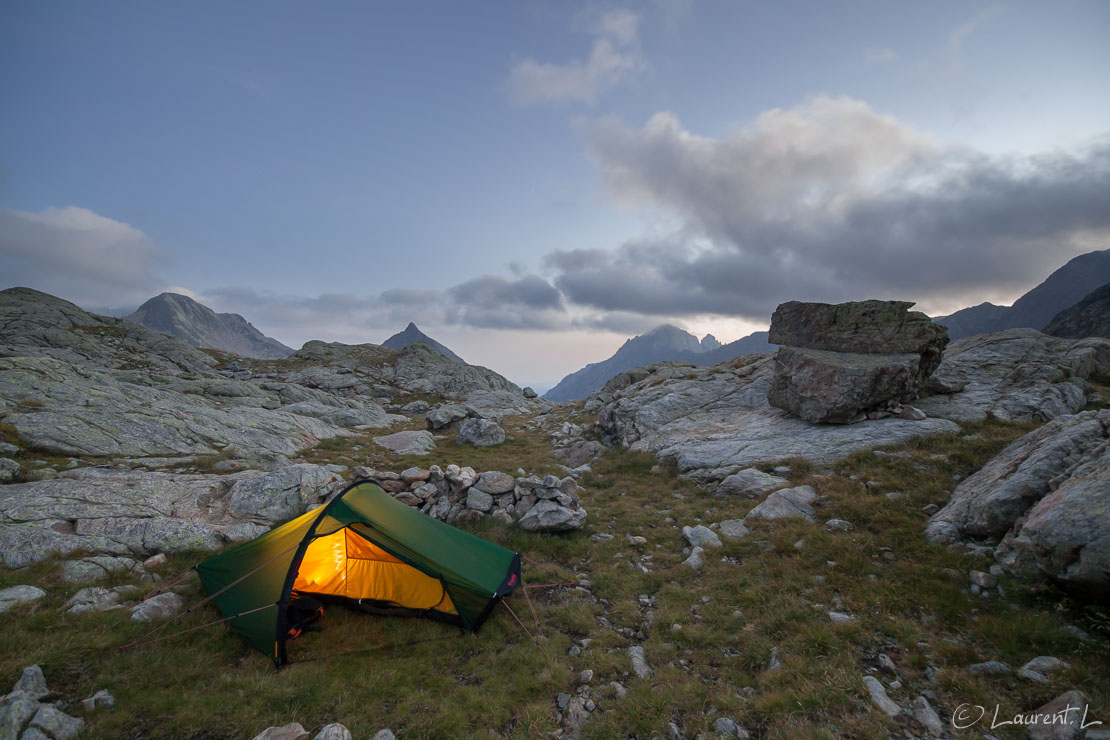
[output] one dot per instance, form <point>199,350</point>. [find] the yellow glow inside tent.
<point>345,564</point>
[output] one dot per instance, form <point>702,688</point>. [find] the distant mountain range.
<point>1034,310</point>
<point>199,326</point>
<point>412,334</point>
<point>665,343</point>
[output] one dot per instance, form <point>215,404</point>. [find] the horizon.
<point>532,184</point>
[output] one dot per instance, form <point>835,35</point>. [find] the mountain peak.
<point>412,334</point>
<point>198,325</point>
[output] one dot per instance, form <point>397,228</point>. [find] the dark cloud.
<point>831,201</point>
<point>494,302</point>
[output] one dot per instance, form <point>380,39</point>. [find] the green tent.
<point>365,548</point>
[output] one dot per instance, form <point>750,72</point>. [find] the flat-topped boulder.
<point>839,362</point>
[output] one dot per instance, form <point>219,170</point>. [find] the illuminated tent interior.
<point>366,549</point>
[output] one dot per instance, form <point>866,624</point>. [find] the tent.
<point>367,549</point>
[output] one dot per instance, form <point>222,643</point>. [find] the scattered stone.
<point>879,697</point>
<point>161,606</point>
<point>750,483</point>
<point>100,700</point>
<point>480,433</point>
<point>291,731</point>
<point>549,516</point>
<point>990,668</point>
<point>618,689</point>
<point>1061,718</point>
<point>1076,633</point>
<point>31,683</point>
<point>1046,664</point>
<point>579,453</point>
<point>56,723</point>
<point>695,561</point>
<point>726,727</point>
<point>15,595</point>
<point>155,561</point>
<point>927,717</point>
<point>887,664</point>
<point>385,734</point>
<point>841,618</point>
<point>97,599</point>
<point>982,580</point>
<point>839,525</point>
<point>447,416</point>
<point>1031,675</point>
<point>334,731</point>
<point>640,666</point>
<point>787,503</point>
<point>527,392</point>
<point>773,662</point>
<point>600,537</point>
<point>701,536</point>
<point>734,529</point>
<point>586,676</point>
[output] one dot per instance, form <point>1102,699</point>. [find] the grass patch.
<point>770,591</point>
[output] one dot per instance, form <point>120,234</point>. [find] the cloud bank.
<point>830,201</point>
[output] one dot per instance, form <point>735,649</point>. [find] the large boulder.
<point>1044,501</point>
<point>839,361</point>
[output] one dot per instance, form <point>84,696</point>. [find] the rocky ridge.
<point>72,383</point>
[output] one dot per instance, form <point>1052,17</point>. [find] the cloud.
<point>494,302</point>
<point>614,56</point>
<point>830,201</point>
<point>879,54</point>
<point>77,254</point>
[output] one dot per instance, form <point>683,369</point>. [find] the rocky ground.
<point>725,569</point>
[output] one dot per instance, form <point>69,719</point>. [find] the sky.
<point>534,182</point>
